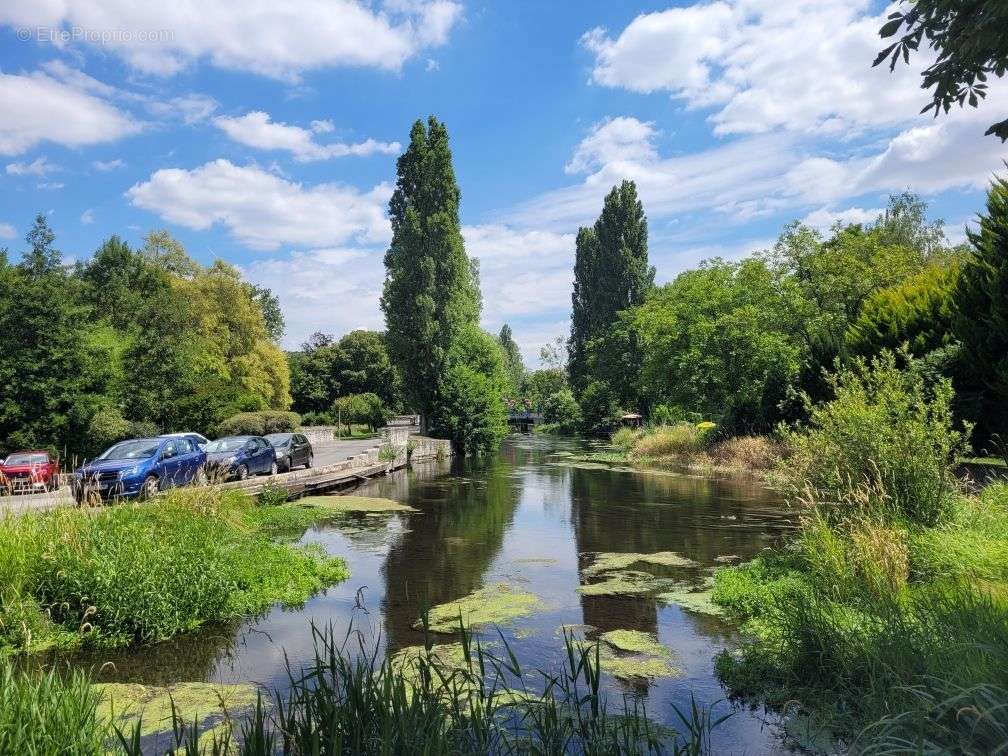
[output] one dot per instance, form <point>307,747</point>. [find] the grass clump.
<point>671,440</point>
<point>142,573</point>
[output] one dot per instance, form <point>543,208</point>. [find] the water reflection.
<point>526,518</point>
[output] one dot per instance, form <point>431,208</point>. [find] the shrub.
<point>142,573</point>
<point>471,413</point>
<point>625,438</point>
<point>750,452</point>
<point>561,409</point>
<point>259,423</point>
<point>670,440</point>
<point>309,419</point>
<point>884,427</point>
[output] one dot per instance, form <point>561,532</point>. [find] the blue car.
<point>139,468</point>
<point>237,457</point>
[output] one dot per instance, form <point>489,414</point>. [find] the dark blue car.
<point>237,457</point>
<point>139,468</point>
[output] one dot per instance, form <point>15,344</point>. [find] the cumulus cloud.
<point>825,218</point>
<point>38,108</point>
<point>281,40</point>
<point>38,167</point>
<point>263,210</point>
<point>803,65</point>
<point>255,129</point>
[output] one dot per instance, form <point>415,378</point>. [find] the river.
<point>533,519</point>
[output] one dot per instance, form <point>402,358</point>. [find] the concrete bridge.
<point>524,421</point>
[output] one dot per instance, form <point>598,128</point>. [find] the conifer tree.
<point>430,287</point>
<point>981,321</point>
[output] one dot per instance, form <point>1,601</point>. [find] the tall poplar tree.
<point>513,365</point>
<point>430,287</point>
<point>611,274</point>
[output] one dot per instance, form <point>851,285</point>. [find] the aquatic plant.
<point>491,605</point>
<point>142,573</point>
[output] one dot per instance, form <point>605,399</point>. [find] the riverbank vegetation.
<point>884,623</point>
<point>464,698</point>
<point>137,574</point>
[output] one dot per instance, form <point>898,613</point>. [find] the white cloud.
<point>38,167</point>
<point>51,185</point>
<point>108,165</point>
<point>307,283</point>
<point>614,140</point>
<point>255,129</point>
<point>802,65</point>
<point>263,210</point>
<point>7,231</point>
<point>825,218</point>
<point>281,40</point>
<point>38,108</point>
<point>322,126</point>
<point>189,108</point>
<point>87,217</point>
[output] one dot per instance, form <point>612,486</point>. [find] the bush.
<point>625,438</point>
<point>670,440</point>
<point>884,428</point>
<point>471,413</point>
<point>599,408</point>
<point>562,410</point>
<point>309,419</point>
<point>108,426</point>
<point>137,573</point>
<point>259,423</point>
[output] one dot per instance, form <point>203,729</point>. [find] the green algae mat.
<point>212,705</point>
<point>495,604</point>
<point>364,504</point>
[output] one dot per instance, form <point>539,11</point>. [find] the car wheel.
<point>289,463</point>
<point>273,468</point>
<point>308,464</point>
<point>201,477</point>
<point>242,472</point>
<point>149,488</point>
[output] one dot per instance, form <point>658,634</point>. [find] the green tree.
<point>541,384</point>
<point>719,341</point>
<point>583,298</point>
<point>561,409</point>
<point>272,315</point>
<point>969,37</point>
<point>430,291</point>
<point>471,412</point>
<point>513,365</point>
<point>314,378</point>
<point>44,368</point>
<point>362,365</point>
<point>981,317</point>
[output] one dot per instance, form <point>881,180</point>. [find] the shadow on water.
<point>527,518</point>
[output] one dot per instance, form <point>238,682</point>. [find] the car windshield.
<point>26,459</point>
<point>279,439</point>
<point>140,449</point>
<point>227,444</point>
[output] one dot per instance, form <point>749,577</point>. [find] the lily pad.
<point>366,504</point>
<point>494,604</point>
<point>612,561</point>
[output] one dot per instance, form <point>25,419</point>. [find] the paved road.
<point>325,454</point>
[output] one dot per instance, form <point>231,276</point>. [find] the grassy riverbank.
<point>459,698</point>
<point>884,623</point>
<point>133,574</point>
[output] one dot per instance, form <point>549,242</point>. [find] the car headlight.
<point>129,472</point>
<point>231,460</point>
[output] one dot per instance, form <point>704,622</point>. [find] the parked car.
<point>140,468</point>
<point>29,471</point>
<point>292,450</point>
<point>197,438</point>
<point>237,457</point>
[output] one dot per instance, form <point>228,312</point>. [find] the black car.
<point>292,450</point>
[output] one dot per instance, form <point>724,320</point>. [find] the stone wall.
<point>319,434</point>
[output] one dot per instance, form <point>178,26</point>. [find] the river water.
<point>532,519</point>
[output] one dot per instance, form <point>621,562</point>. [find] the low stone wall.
<point>319,434</point>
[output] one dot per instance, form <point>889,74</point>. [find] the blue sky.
<point>266,133</point>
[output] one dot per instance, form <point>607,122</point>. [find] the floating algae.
<point>635,642</point>
<point>727,558</point>
<point>629,654</point>
<point>625,583</point>
<point>692,598</point>
<point>493,605</point>
<point>608,561</point>
<point>354,504</point>
<point>208,703</point>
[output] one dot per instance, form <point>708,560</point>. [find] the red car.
<point>29,471</point>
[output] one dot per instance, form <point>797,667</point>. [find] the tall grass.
<point>43,714</point>
<point>671,440</point>
<point>142,573</point>
<point>347,701</point>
